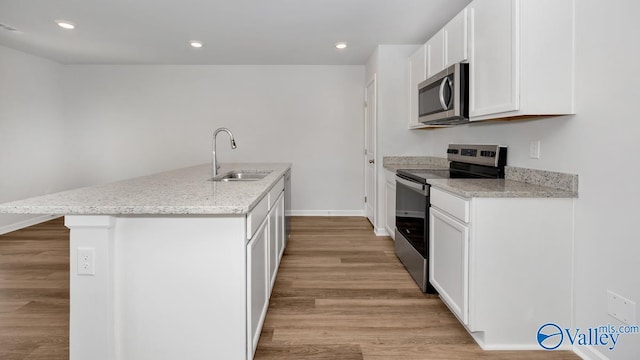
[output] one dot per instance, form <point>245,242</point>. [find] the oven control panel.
<point>489,155</point>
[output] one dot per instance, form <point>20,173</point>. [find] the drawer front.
<point>256,216</point>
<point>454,205</point>
<point>275,191</point>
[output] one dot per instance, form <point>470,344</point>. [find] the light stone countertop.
<point>498,188</point>
<point>185,191</point>
<point>518,182</point>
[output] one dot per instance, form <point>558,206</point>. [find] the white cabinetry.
<point>273,246</point>
<point>449,270</point>
<point>264,251</point>
<point>205,278</point>
<point>390,203</point>
<point>435,54</point>
<point>521,55</point>
<point>276,237</point>
<point>257,285</point>
<point>417,74</point>
<point>502,265</point>
<point>447,47</point>
<point>455,40</point>
<point>281,232</point>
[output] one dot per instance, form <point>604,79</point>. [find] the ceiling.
<point>265,32</point>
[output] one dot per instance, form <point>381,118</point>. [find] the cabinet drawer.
<point>456,206</point>
<point>275,191</point>
<point>256,216</point>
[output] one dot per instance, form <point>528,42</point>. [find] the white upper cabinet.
<point>521,55</point>
<point>417,74</point>
<point>447,47</point>
<point>435,54</point>
<point>455,40</point>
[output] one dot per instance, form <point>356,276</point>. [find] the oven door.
<point>412,213</point>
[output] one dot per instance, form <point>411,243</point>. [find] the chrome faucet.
<point>215,159</point>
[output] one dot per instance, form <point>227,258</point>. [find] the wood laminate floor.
<point>34,293</point>
<point>340,294</point>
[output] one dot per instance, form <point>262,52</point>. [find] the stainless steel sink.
<point>241,176</point>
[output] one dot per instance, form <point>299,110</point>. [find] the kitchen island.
<point>172,265</point>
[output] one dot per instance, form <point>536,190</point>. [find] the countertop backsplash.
<point>556,180</point>
<point>414,162</point>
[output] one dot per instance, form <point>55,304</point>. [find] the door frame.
<point>373,147</point>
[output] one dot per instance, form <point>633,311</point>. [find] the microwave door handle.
<point>444,83</point>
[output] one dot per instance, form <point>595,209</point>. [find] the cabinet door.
<point>449,262</point>
<point>257,286</point>
<point>455,39</point>
<point>493,57</point>
<point>417,74</point>
<point>273,245</point>
<point>435,54</point>
<point>281,233</point>
<point>390,205</point>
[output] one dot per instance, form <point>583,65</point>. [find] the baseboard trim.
<point>325,213</point>
<point>26,223</point>
<point>382,232</point>
<point>588,353</point>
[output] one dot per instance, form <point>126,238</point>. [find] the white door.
<point>370,151</point>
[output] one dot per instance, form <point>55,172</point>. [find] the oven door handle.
<point>413,185</point>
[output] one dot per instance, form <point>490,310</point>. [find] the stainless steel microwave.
<point>443,99</point>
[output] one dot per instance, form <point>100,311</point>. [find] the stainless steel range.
<point>412,201</point>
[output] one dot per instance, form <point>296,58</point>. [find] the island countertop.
<point>186,191</point>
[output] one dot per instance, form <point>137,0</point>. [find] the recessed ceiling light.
<point>196,44</point>
<point>66,24</point>
<point>341,45</point>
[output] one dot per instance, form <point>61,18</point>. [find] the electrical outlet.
<point>86,261</point>
<point>621,308</point>
<point>534,149</point>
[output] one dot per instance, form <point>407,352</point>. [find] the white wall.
<point>32,135</point>
<point>65,126</point>
<point>134,120</point>
<point>390,65</point>
<point>591,144</point>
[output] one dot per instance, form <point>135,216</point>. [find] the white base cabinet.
<point>258,284</point>
<point>449,271</point>
<point>264,251</point>
<point>390,203</point>
<point>502,265</point>
<point>174,287</point>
